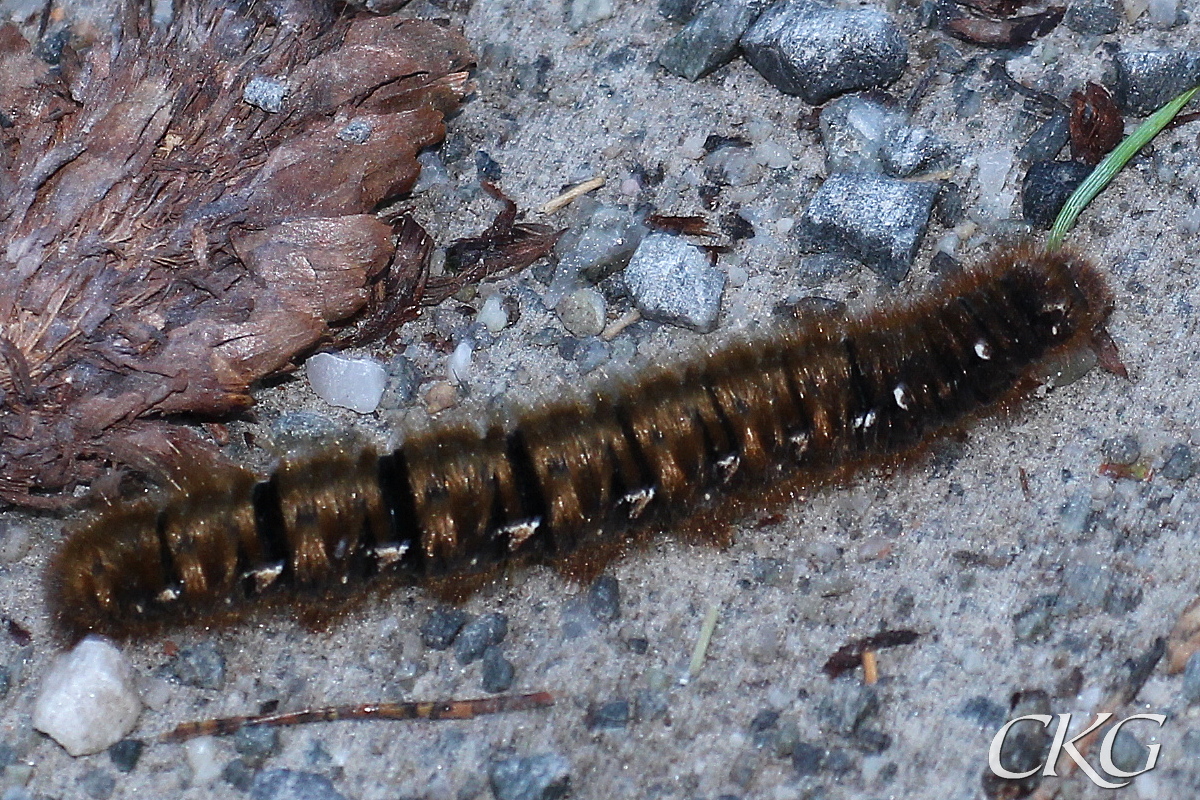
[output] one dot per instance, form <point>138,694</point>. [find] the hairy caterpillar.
<point>815,401</point>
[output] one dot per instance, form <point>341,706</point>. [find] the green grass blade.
<point>1107,169</point>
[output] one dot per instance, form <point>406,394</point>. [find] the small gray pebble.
<point>613,714</point>
<point>256,743</point>
<point>1179,465</point>
<point>443,624</point>
<point>577,618</point>
<point>820,268</point>
<point>880,221</point>
<point>581,13</point>
<point>1046,187</point>
<point>126,753</point>
<point>1191,680</point>
<point>950,206</point>
<point>97,783</point>
<point>302,428</point>
<point>265,93</point>
<point>678,10</point>
<point>1093,16</point>
<point>807,758</point>
<point>809,49</point>
<point>651,704</point>
<point>238,774</point>
<point>498,671</point>
<point>604,599</point>
<point>1128,754</point>
<point>987,713</point>
<point>286,784</point>
<point>1047,141</point>
<point>1034,623</point>
<point>1121,450</point>
<point>787,738</point>
<point>674,281</point>
<point>839,761</point>
<point>847,707</point>
<point>590,353</point>
<point>202,666</point>
<point>710,39</point>
<point>541,777</point>
<point>478,634</point>
<point>1147,80</point>
<point>871,741</point>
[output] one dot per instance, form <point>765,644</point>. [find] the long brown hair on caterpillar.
<point>815,401</point>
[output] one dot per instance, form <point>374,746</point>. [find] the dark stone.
<point>1124,450</point>
<point>1047,186</point>
<point>944,264</point>
<point>678,10</point>
<point>201,666</point>
<point>1024,749</point>
<point>613,714</point>
<point>847,707</point>
<point>762,727</point>
<point>710,39</point>
<point>1122,598</point>
<point>498,671</point>
<point>907,151</point>
<point>651,704</point>
<point>1148,80</point>
<point>541,777</point>
<point>806,48</point>
<point>638,644</point>
<point>97,783</point>
<point>238,774</point>
<point>880,221</point>
<point>1034,623</point>
<point>486,167</point>
<point>820,268</point>
<point>479,634</point>
<point>125,754</point>
<point>838,761</point>
<point>807,758</point>
<point>950,206</point>
<point>604,599</point>
<point>444,623</point>
<point>1191,680</point>
<point>871,741</point>
<point>1092,16</point>
<point>1048,140</point>
<point>256,743</point>
<point>988,714</point>
<point>1179,465</point>
<point>287,784</point>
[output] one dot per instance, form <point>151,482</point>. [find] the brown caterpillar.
<point>814,402</point>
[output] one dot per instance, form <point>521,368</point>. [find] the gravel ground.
<point>962,547</point>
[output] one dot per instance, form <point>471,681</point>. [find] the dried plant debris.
<point>1010,32</point>
<point>168,241</point>
<point>850,655</point>
<point>1096,125</point>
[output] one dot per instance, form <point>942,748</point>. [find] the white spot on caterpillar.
<point>263,577</point>
<point>983,350</point>
<point>389,554</point>
<point>728,466</point>
<point>865,421</point>
<point>167,595</point>
<point>518,533</point>
<point>801,441</point>
<point>638,501</point>
<point>901,395</point>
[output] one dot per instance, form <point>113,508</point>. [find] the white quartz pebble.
<point>88,700</point>
<point>353,383</point>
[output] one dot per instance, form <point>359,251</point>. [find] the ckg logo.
<point>1064,746</point>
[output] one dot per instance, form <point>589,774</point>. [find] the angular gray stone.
<point>806,48</point>
<point>1093,16</point>
<point>1148,80</point>
<point>581,13</point>
<point>710,39</point>
<point>880,221</point>
<point>540,777</point>
<point>287,784</point>
<point>675,282</point>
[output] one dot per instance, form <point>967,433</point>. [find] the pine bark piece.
<point>167,243</point>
